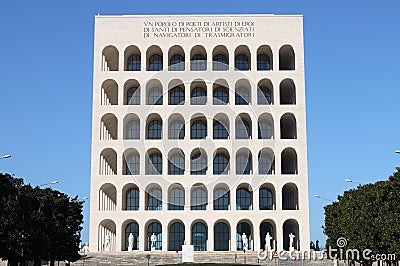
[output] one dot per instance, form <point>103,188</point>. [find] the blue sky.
<point>352,62</point>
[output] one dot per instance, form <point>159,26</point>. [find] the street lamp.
<point>353,181</point>
<point>5,156</point>
<point>50,183</point>
<point>397,151</point>
<point>320,197</point>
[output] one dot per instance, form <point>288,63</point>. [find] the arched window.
<point>288,126</point>
<point>177,63</point>
<point>198,164</point>
<point>243,199</point>
<point>132,199</point>
<point>132,228</point>
<point>220,96</point>
<point>291,227</point>
<point>243,130</point>
<point>287,92</point>
<point>176,164</point>
<point>266,227</point>
<point>263,96</point>
<point>199,96</point>
<point>242,96</point>
<point>286,58</point>
<point>176,199</point>
<point>266,199</point>
<point>199,237</point>
<point>290,200</point>
<point>154,164</point>
<point>154,130</point>
<point>154,200</point>
<point>263,62</point>
<point>198,63</point>
<point>133,96</point>
<point>155,62</point>
<point>221,237</point>
<point>132,130</point>
<point>220,131</point>
<point>243,164</point>
<point>244,228</point>
<point>220,164</point>
<point>176,236</point>
<point>242,62</point>
<point>220,63</point>
<point>199,199</point>
<point>221,199</point>
<point>265,130</point>
<point>289,162</point>
<point>177,130</point>
<point>132,164</point>
<point>155,96</point>
<point>176,96</point>
<point>199,130</point>
<point>266,164</point>
<point>156,229</point>
<point>133,63</point>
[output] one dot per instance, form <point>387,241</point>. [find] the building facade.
<point>198,133</point>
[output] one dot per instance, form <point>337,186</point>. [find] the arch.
<point>176,236</point>
<point>290,197</point>
<point>130,227</point>
<point>109,127</point>
<point>288,126</point>
<point>266,197</point>
<point>221,236</point>
<point>287,92</point>
<point>221,162</point>
<point>267,226</point>
<point>109,92</point>
<point>265,126</point>
<point>107,197</point>
<point>106,235</point>
<point>199,236</point>
<point>176,197</point>
<point>220,92</point>
<point>154,127</point>
<point>198,92</point>
<point>198,162</point>
<point>131,162</point>
<point>286,58</point>
<point>198,58</point>
<point>244,162</point>
<point>176,124</point>
<point>154,197</point>
<point>265,92</point>
<point>131,92</point>
<point>243,126</point>
<point>221,126</point>
<point>154,58</point>
<point>266,162</point>
<point>131,127</point>
<point>220,58</point>
<point>154,92</point>
<point>176,162</point>
<point>242,92</point>
<point>132,57</point>
<point>264,58</point>
<point>289,162</point>
<point>291,226</point>
<point>244,227</point>
<point>153,227</point>
<point>130,197</point>
<point>221,197</point>
<point>176,58</point>
<point>176,92</point>
<point>198,197</point>
<point>108,162</point>
<point>242,58</point>
<point>244,197</point>
<point>110,59</point>
<point>153,162</point>
<point>198,127</point>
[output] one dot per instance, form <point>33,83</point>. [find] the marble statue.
<point>291,237</point>
<point>130,242</point>
<point>153,240</point>
<point>268,239</point>
<point>107,245</point>
<point>245,242</point>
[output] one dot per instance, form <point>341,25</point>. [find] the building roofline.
<point>196,15</point>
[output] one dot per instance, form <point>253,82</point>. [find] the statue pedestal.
<point>129,249</point>
<point>153,248</point>
<point>291,249</point>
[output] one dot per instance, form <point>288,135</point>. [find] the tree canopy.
<point>37,224</point>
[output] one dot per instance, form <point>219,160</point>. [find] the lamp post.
<point>353,181</point>
<point>397,151</point>
<point>5,156</point>
<point>320,197</point>
<point>49,183</point>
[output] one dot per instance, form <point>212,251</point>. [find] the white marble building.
<point>199,132</point>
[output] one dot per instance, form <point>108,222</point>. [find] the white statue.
<point>130,242</point>
<point>291,237</point>
<point>268,239</point>
<point>245,242</point>
<point>153,240</point>
<point>86,248</point>
<point>107,245</point>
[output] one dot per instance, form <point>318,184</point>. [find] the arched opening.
<point>154,57</point>
<point>176,162</point>
<point>265,126</point>
<point>265,91</point>
<point>108,162</point>
<point>220,58</point>
<point>132,92</point>
<point>288,126</point>
<point>199,236</point>
<point>244,162</point>
<point>244,230</point>
<point>221,162</point>
<point>177,95</point>
<point>153,162</point>
<point>198,126</point>
<point>242,58</point>
<point>198,198</point>
<point>176,236</point>
<point>154,91</point>
<point>220,92</point>
<point>176,198</point>
<point>244,197</point>
<point>286,58</point>
<point>198,93</point>
<point>221,126</point>
<point>131,162</point>
<point>109,93</point>
<point>264,58</point>
<point>130,198</point>
<point>289,162</point>
<point>242,92</point>
<point>291,227</point>
<point>198,58</point>
<point>267,227</point>
<point>106,236</point>
<point>108,127</point>
<point>287,92</point>
<point>154,229</point>
<point>110,59</point>
<point>243,126</point>
<point>198,162</point>
<point>221,197</point>
<point>266,162</point>
<point>131,228</point>
<point>154,127</point>
<point>154,198</point>
<point>290,197</point>
<point>176,57</point>
<point>132,127</point>
<point>132,58</point>
<point>107,197</point>
<point>267,197</point>
<point>176,124</point>
<point>221,236</point>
